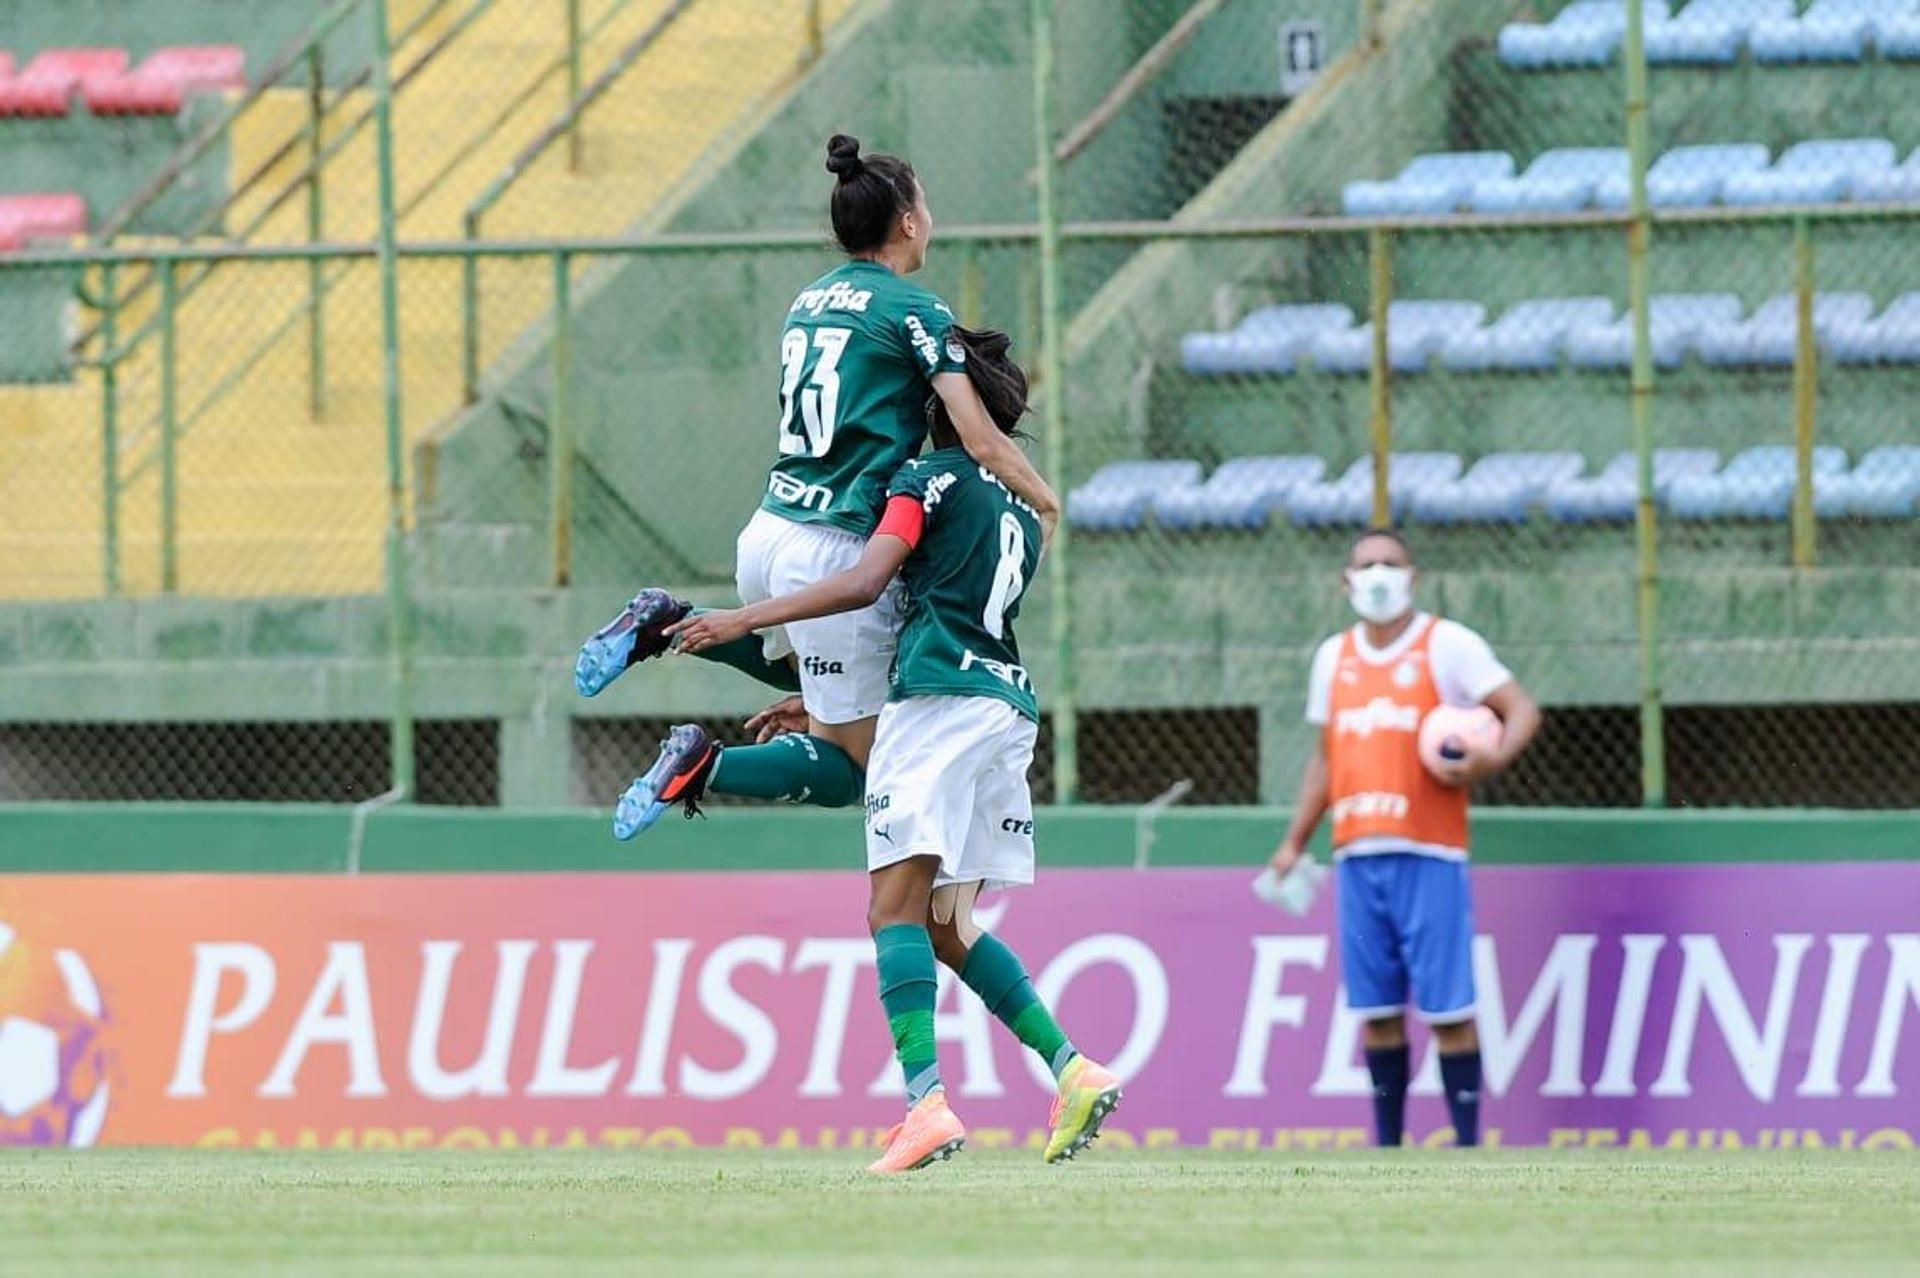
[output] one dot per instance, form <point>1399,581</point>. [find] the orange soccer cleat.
<point>930,1133</point>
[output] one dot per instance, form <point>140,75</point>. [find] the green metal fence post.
<point>1806,380</point>
<point>1370,22</point>
<point>169,427</point>
<point>470,313</point>
<point>1380,373</point>
<point>110,426</point>
<point>573,83</point>
<point>560,425</point>
<point>1066,737</point>
<point>316,232</point>
<point>399,601</point>
<point>1653,745</point>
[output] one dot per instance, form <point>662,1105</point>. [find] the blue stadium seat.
<point>1584,34</point>
<point>1771,334</point>
<point>1269,340</point>
<point>1821,172</point>
<point>1531,335</point>
<point>1558,180</point>
<point>1829,31</point>
<point>1501,488</point>
<point>1893,186</point>
<point>1612,495</point>
<point>1242,493</point>
<point>1885,485</point>
<point>1436,183</point>
<point>1686,177</point>
<point>1711,31</point>
<point>1348,500</point>
<point>1674,321</point>
<point>1892,337</point>
<point>1119,494</point>
<point>1757,484</point>
<point>1415,333</point>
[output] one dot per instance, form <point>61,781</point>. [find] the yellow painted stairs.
<point>273,499</point>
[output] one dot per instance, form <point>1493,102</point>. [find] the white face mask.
<point>1380,593</point>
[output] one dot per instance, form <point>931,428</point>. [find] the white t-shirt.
<point>1465,671</point>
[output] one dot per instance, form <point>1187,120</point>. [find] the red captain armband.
<point>905,518</point>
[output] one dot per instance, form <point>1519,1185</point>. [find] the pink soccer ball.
<point>1449,734</point>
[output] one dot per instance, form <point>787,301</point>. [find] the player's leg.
<point>1437,909</point>
<point>911,815</point>
<point>792,768</point>
<point>1376,979</point>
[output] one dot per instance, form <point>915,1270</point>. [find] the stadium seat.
<point>24,218</point>
<point>1613,494</point>
<point>1558,180</point>
<point>1532,335</point>
<point>1501,488</point>
<point>1118,495</point>
<point>1712,31</point>
<point>1269,340</point>
<point>1885,485</point>
<point>1757,484</point>
<point>1898,37</point>
<point>45,87</point>
<point>1892,337</point>
<point>1821,172</point>
<point>162,83</point>
<point>1772,333</point>
<point>1685,177</point>
<point>1584,34</point>
<point>1415,333</point>
<point>1436,183</point>
<point>1891,186</point>
<point>1242,493</point>
<point>1829,31</point>
<point>1674,321</point>
<point>1348,500</point>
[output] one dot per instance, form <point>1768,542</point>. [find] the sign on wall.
<point>1651,1006</point>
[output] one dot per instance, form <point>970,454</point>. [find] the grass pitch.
<point>581,1213</point>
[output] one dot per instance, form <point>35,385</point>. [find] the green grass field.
<point>587,1213</point>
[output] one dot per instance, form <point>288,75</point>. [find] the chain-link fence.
<point>1321,265</point>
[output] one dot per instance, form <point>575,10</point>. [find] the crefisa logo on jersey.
<point>53,1057</point>
<point>923,341</point>
<point>838,296</point>
<point>818,666</point>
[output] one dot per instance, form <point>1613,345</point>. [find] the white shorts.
<point>948,778</point>
<point>844,660</point>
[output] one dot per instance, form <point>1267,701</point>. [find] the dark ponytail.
<point>872,191</point>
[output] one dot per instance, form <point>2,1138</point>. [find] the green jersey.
<point>979,545</point>
<point>857,362</point>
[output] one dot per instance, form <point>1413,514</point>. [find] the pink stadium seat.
<point>47,84</point>
<point>162,82</point>
<point>31,217</point>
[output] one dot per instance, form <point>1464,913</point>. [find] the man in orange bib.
<point>1400,832</point>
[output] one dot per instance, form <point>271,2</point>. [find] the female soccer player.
<point>948,808</point>
<point>861,352</point>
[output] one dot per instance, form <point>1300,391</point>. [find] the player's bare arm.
<point>1309,805</point>
<point>987,444</point>
<point>847,591</point>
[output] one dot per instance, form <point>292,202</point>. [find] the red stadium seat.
<point>162,82</point>
<point>31,217</point>
<point>47,85</point>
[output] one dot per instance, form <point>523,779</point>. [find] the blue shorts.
<point>1406,920</point>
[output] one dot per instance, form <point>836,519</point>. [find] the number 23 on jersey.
<point>816,363</point>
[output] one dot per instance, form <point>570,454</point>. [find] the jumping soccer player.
<point>861,352</point>
<point>948,807</point>
<point>1400,833</point>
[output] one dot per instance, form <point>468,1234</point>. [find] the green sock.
<point>996,974</point>
<point>904,955</point>
<point>748,655</point>
<point>790,769</point>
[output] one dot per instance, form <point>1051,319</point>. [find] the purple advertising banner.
<point>1674,1006</point>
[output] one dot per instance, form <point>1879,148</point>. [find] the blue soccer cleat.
<point>679,775</point>
<point>632,636</point>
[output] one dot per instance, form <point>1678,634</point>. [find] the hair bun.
<point>843,156</point>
